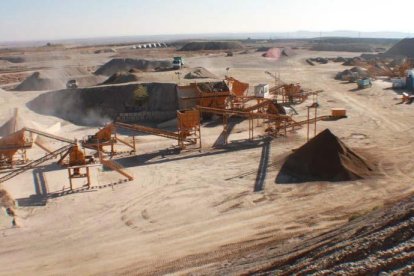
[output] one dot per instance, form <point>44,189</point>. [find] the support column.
<point>225,128</point>
<point>316,114</point>
<point>70,179</point>
<point>308,123</point>
<point>88,178</point>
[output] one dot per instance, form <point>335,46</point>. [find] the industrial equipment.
<point>71,84</point>
<point>178,63</point>
<point>364,83</point>
<point>13,148</point>
<point>188,129</point>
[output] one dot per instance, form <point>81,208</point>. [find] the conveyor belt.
<point>34,163</point>
<point>149,130</point>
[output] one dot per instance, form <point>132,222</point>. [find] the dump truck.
<point>364,83</point>
<point>71,84</point>
<point>178,62</point>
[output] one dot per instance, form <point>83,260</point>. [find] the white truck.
<point>178,63</point>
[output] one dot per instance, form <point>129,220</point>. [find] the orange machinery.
<point>203,97</point>
<point>106,137</point>
<point>189,132</point>
<point>237,88</point>
<point>12,145</point>
<point>77,165</point>
<point>188,124</point>
<point>289,92</point>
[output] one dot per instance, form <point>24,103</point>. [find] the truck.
<point>364,83</point>
<point>71,84</point>
<point>178,63</point>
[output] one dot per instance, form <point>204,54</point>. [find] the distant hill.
<point>217,36</point>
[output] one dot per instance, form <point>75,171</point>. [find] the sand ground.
<point>190,211</point>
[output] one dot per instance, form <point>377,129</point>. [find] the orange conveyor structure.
<point>188,124</point>
<point>35,163</point>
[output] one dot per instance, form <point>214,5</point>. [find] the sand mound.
<point>276,53</point>
<point>403,48</point>
<point>117,65</point>
<point>212,45</point>
<point>324,158</point>
<point>57,79</point>
<point>16,123</point>
<point>12,125</point>
<point>121,78</point>
<point>36,82</point>
<point>200,73</point>
<point>353,74</point>
<point>287,52</point>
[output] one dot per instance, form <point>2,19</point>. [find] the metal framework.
<point>107,136</point>
<point>75,172</point>
<point>276,122</point>
<point>189,130</point>
<point>35,163</point>
<point>188,124</point>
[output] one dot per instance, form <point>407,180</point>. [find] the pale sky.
<point>60,19</point>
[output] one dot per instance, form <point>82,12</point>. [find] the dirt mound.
<point>200,73</point>
<point>17,122</point>
<point>118,65</point>
<point>36,82</point>
<point>13,59</point>
<point>99,105</point>
<point>219,86</point>
<point>324,158</point>
<point>288,52</point>
<point>353,61</point>
<point>106,50</point>
<point>403,48</point>
<point>378,243</point>
<point>346,47</point>
<point>353,74</point>
<point>212,45</point>
<point>121,78</point>
<point>276,53</point>
<point>12,125</point>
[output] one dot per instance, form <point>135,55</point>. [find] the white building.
<point>261,90</point>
